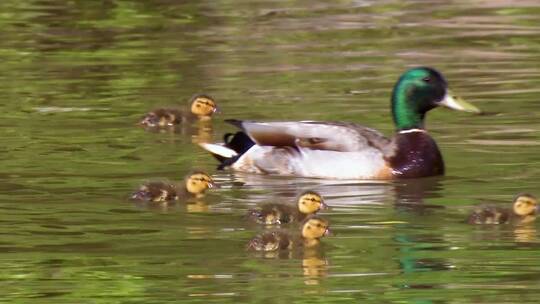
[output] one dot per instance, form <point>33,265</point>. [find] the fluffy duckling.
<point>201,107</point>
<point>195,184</point>
<point>308,203</point>
<point>312,230</point>
<point>524,209</point>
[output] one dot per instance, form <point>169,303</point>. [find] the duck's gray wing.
<point>316,135</point>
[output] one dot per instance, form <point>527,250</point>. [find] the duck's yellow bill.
<point>456,103</point>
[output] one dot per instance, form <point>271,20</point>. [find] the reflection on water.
<point>190,206</point>
<point>77,76</point>
<point>314,267</point>
<point>525,234</point>
<point>200,131</point>
<point>522,233</point>
<point>198,206</point>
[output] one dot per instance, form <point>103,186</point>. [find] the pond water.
<point>77,75</point>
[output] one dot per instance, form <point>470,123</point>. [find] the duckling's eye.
<point>319,225</point>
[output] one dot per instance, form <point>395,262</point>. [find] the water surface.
<point>77,76</point>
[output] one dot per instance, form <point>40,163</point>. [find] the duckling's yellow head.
<point>197,183</point>
<point>315,228</point>
<point>203,105</point>
<point>310,202</point>
<point>525,204</point>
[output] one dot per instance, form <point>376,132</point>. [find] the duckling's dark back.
<point>275,214</point>
<point>156,192</point>
<point>489,215</point>
<point>270,241</point>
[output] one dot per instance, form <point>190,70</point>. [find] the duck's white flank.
<point>305,162</point>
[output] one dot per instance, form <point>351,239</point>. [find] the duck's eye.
<point>427,79</point>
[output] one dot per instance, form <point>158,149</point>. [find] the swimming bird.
<point>307,203</point>
<point>312,230</point>
<point>195,185</point>
<point>341,150</point>
<point>524,210</point>
<point>202,107</point>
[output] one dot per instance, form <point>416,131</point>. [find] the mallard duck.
<point>195,184</point>
<point>201,107</point>
<point>312,230</point>
<point>524,210</point>
<point>342,150</point>
<point>307,203</point>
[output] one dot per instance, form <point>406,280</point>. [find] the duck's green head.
<point>419,90</point>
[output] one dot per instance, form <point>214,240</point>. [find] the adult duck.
<point>341,150</point>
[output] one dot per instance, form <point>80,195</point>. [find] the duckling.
<point>201,107</point>
<point>524,209</point>
<point>195,184</point>
<point>312,230</point>
<point>309,202</point>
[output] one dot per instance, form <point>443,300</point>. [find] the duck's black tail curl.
<point>235,144</point>
<point>239,142</point>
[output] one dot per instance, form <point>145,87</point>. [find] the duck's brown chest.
<point>415,154</point>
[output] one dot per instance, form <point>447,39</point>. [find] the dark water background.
<point>76,75</point>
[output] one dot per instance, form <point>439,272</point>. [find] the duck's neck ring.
<point>412,131</point>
